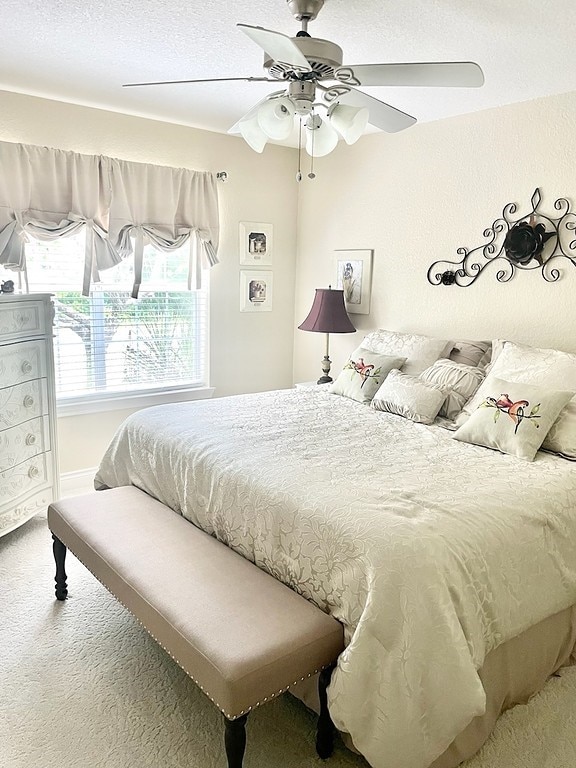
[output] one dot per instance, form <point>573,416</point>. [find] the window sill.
<point>131,400</point>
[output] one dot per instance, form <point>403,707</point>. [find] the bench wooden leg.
<point>235,740</point>
<point>59,550</point>
<point>325,728</point>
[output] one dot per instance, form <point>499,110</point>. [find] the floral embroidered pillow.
<point>513,418</point>
<point>363,374</point>
<point>548,368</point>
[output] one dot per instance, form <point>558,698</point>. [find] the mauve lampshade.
<point>328,313</point>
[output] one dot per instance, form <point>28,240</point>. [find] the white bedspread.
<point>430,551</point>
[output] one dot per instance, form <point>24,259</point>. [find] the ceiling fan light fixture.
<point>321,138</point>
<point>252,134</point>
<point>350,122</point>
<point>276,118</point>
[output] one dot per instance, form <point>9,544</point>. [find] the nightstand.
<point>306,384</point>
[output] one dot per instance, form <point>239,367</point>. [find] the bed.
<point>451,566</point>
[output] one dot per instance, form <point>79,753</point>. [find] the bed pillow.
<point>410,396</point>
<point>487,357</point>
<point>513,417</point>
<point>460,378</point>
<point>471,352</point>
<point>549,368</point>
<point>419,351</point>
<point>363,374</point>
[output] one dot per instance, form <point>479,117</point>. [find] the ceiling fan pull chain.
<point>312,175</point>
<point>299,172</point>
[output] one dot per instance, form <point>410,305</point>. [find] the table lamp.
<point>328,315</point>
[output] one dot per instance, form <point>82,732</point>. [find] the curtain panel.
<point>50,193</point>
<point>164,206</point>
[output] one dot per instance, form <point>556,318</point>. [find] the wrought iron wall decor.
<point>533,241</point>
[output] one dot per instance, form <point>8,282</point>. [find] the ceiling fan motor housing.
<point>322,55</point>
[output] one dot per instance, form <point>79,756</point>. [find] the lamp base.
<point>325,365</point>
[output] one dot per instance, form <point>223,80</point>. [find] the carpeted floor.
<point>83,686</point>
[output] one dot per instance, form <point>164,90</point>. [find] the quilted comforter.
<point>431,552</point>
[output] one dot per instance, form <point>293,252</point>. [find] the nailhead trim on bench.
<point>228,716</point>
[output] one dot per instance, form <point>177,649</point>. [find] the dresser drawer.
<point>24,478</point>
<point>24,441</point>
<point>14,513</point>
<point>22,362</point>
<point>21,318</point>
<point>23,402</point>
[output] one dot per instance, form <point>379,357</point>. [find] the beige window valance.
<point>50,193</point>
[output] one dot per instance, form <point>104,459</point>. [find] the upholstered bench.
<point>240,634</point>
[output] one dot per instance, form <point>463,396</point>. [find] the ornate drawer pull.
<point>33,472</point>
<point>28,401</point>
<point>26,367</point>
<point>30,439</point>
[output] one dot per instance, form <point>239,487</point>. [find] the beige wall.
<point>414,197</point>
<point>249,352</point>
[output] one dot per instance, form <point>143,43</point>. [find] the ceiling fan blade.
<point>236,127</point>
<point>448,74</point>
<point>280,47</point>
<point>205,80</point>
<point>382,115</point>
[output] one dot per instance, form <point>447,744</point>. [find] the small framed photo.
<point>255,243</point>
<point>255,291</point>
<point>354,277</point>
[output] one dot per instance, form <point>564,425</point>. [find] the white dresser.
<point>28,451</point>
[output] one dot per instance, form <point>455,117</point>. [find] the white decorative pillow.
<point>410,397</point>
<point>460,378</point>
<point>549,368</point>
<point>363,374</point>
<point>419,351</point>
<point>513,417</point>
<point>471,352</point>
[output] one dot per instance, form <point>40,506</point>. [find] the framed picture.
<point>255,291</point>
<point>354,277</point>
<point>255,243</point>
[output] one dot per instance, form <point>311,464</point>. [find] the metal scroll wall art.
<point>533,241</point>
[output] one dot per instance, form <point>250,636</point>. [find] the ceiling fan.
<point>312,70</point>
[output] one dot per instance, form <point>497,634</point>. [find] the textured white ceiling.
<point>83,51</point>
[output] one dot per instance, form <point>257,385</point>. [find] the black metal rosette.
<point>525,242</point>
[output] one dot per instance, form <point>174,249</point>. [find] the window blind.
<point>108,343</point>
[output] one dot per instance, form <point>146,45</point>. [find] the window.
<point>108,344</point>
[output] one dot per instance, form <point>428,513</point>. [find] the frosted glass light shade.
<point>320,140</point>
<point>252,134</point>
<point>350,122</point>
<point>276,118</point>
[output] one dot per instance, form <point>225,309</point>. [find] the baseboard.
<point>75,483</point>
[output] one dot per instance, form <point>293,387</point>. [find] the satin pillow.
<point>410,397</point>
<point>460,378</point>
<point>475,353</point>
